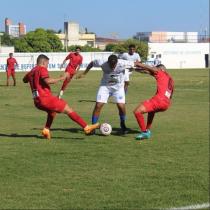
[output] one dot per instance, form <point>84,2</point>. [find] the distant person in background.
<point>40,81</point>
<point>131,55</point>
<point>157,60</point>
<point>158,103</point>
<point>10,69</point>
<point>75,60</point>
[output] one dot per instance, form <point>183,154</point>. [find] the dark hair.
<point>77,47</point>
<point>132,46</point>
<point>41,57</point>
<point>112,60</point>
<point>161,66</point>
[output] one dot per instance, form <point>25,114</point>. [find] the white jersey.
<point>113,79</point>
<point>128,57</point>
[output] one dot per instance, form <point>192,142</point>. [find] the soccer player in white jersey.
<point>112,84</point>
<point>131,55</point>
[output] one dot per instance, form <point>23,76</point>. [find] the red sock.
<point>150,119</point>
<point>140,120</point>
<point>76,118</point>
<point>50,118</point>
<point>66,82</point>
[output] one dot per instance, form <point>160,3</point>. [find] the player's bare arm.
<point>90,65</point>
<point>151,70</point>
<point>55,80</point>
<point>140,70</point>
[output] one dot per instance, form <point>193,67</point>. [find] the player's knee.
<point>135,111</point>
<point>67,109</point>
<point>99,106</point>
<point>139,109</point>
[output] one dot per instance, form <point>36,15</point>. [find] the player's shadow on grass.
<point>118,132</point>
<point>69,130</point>
<point>15,135</point>
<point>86,100</point>
<point>91,101</point>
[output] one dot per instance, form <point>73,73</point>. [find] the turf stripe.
<point>196,206</point>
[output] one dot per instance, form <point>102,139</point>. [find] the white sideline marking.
<point>197,206</point>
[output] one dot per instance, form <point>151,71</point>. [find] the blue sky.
<point>107,17</point>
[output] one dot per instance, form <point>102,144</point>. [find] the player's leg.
<point>8,76</point>
<point>50,118</point>
<point>76,118</point>
<point>53,104</point>
<point>150,118</point>
<point>46,130</point>
<point>127,79</point>
<point>138,112</point>
<point>122,115</point>
<point>119,97</point>
<point>65,84</point>
<point>13,77</point>
<point>96,112</point>
<point>101,99</point>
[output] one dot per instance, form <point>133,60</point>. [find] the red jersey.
<point>36,79</point>
<point>11,63</point>
<point>75,61</point>
<point>165,84</point>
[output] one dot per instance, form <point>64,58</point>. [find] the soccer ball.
<point>106,129</point>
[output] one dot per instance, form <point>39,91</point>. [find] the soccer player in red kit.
<point>40,82</point>
<point>158,103</point>
<point>11,62</point>
<point>73,66</point>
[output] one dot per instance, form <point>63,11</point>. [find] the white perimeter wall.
<point>181,55</point>
<point>173,55</point>
<point>27,61</point>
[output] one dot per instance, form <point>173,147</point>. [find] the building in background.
<point>179,55</point>
<point>73,35</point>
<point>14,30</point>
<point>177,49</point>
<point>101,42</point>
<point>166,37</point>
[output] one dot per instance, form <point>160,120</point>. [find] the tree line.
<point>42,40</point>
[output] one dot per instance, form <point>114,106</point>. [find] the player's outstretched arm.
<point>53,81</point>
<point>82,74</point>
<point>140,70</point>
<point>149,69</point>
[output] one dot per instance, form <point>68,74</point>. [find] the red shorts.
<point>70,70</point>
<point>50,104</point>
<point>156,104</point>
<point>10,72</point>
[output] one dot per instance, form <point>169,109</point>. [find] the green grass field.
<point>74,171</point>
